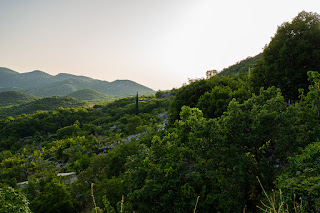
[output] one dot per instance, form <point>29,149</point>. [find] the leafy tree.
<point>211,73</point>
<point>162,94</point>
<point>47,193</point>
<point>189,95</point>
<point>262,126</point>
<point>13,168</point>
<point>132,124</point>
<point>107,206</point>
<point>294,50</point>
<point>301,180</point>
<point>13,201</point>
<point>68,130</point>
<point>190,160</point>
<point>213,103</point>
<point>309,111</point>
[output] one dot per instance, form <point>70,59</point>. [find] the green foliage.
<point>132,124</point>
<point>189,95</point>
<point>292,52</point>
<point>68,140</point>
<point>12,168</point>
<point>263,121</point>
<point>301,180</point>
<point>68,130</point>
<point>309,109</point>
<point>215,102</point>
<point>13,201</point>
<point>47,193</point>
<point>92,96</point>
<point>42,104</point>
<point>184,163</point>
<point>107,206</point>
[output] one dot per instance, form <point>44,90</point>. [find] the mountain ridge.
<point>42,84</point>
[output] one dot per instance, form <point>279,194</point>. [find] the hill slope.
<point>90,95</point>
<point>241,66</point>
<point>15,98</point>
<point>42,104</point>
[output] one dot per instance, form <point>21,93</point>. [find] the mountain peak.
<point>36,73</point>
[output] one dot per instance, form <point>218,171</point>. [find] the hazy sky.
<point>157,43</point>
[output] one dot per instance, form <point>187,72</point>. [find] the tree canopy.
<point>294,50</point>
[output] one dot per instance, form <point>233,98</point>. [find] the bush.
<point>13,201</point>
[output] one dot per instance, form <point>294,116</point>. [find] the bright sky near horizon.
<point>157,43</point>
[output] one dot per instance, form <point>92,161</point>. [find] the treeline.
<point>209,139</point>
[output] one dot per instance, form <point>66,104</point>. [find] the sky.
<point>157,43</point>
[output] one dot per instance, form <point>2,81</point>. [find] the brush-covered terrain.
<point>199,148</point>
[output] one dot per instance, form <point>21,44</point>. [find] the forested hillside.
<point>93,96</point>
<point>243,66</point>
<point>10,98</point>
<point>51,103</point>
<point>222,144</point>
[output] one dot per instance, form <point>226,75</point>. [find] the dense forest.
<point>233,142</point>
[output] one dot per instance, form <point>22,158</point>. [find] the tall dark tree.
<point>292,52</point>
<point>137,104</point>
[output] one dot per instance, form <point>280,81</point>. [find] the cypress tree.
<point>137,104</point>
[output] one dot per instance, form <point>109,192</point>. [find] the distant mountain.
<point>241,66</point>
<point>42,104</point>
<point>66,76</point>
<point>41,84</point>
<point>7,77</point>
<point>10,98</point>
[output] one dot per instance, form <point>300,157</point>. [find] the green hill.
<point>9,98</point>
<point>91,95</point>
<point>59,88</point>
<point>241,66</point>
<point>42,104</point>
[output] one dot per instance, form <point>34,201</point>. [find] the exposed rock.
<point>163,115</point>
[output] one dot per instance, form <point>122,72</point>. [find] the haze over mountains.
<point>42,84</point>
